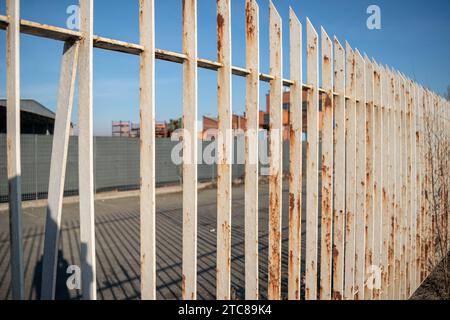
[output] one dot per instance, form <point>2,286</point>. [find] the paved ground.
<point>117,241</point>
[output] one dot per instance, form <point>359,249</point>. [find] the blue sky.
<point>415,39</point>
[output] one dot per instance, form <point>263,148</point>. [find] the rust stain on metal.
<point>249,14</point>
<point>183,280</point>
<point>291,207</point>
<point>220,29</point>
<point>337,295</point>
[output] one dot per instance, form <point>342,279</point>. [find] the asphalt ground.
<point>117,246</point>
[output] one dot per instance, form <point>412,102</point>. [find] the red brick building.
<point>210,125</point>
<point>286,113</point>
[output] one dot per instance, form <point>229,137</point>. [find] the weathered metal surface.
<point>117,45</point>
<point>312,161</point>
<point>429,194</point>
<point>419,175</point>
<point>350,174</point>
<point>189,278</point>
<point>58,168</point>
<point>251,151</point>
<point>403,200</point>
<point>43,30</point>
<point>369,226</point>
<point>414,192</point>
<point>224,151</point>
<point>147,151</point>
<point>408,174</point>
<point>4,21</point>
<point>296,159</point>
<point>13,150</point>
<point>361,186</point>
<point>379,205</point>
<point>433,185</point>
<point>327,167</point>
<point>339,172</point>
<point>275,153</point>
<point>425,217</point>
<point>398,187</point>
<point>392,181</point>
<point>86,151</point>
<point>385,179</point>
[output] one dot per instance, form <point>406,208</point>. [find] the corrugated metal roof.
<point>32,106</point>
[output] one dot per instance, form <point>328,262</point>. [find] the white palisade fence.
<point>371,186</point>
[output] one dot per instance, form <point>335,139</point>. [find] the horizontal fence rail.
<point>373,217</point>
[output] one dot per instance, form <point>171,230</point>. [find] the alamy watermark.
<point>73,20</point>
<point>213,154</point>
<point>74,280</point>
<point>374,280</point>
<point>374,19</point>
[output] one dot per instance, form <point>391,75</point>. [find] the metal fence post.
<point>14,147</point>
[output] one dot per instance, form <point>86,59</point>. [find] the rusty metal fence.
<point>372,177</point>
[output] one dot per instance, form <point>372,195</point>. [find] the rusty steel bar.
<point>190,178</point>
<point>339,171</point>
<point>350,172</point>
<point>295,160</point>
<point>312,161</point>
<point>425,178</point>
<point>429,209</point>
<point>369,203</point>
<point>424,183</point>
<point>327,167</point>
<point>398,185</point>
<point>42,30</point>
<point>58,169</point>
<point>13,150</point>
<point>414,187</point>
<point>251,151</point>
<point>275,153</point>
<point>378,201</point>
<point>392,182</point>
<point>434,186</point>
<point>447,128</point>
<point>86,151</point>
<point>360,238</point>
<point>224,151</point>
<point>385,181</point>
<point>147,151</point>
<point>408,215</point>
<point>428,216</point>
<point>419,168</point>
<point>403,200</point>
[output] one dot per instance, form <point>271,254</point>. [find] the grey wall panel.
<point>116,164</point>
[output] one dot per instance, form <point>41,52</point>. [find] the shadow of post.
<point>15,232</point>
<point>62,291</point>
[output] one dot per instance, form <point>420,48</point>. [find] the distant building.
<point>121,129</point>
<point>125,129</point>
<point>286,113</point>
<point>133,130</point>
<point>211,125</point>
<point>34,118</point>
<point>161,130</point>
